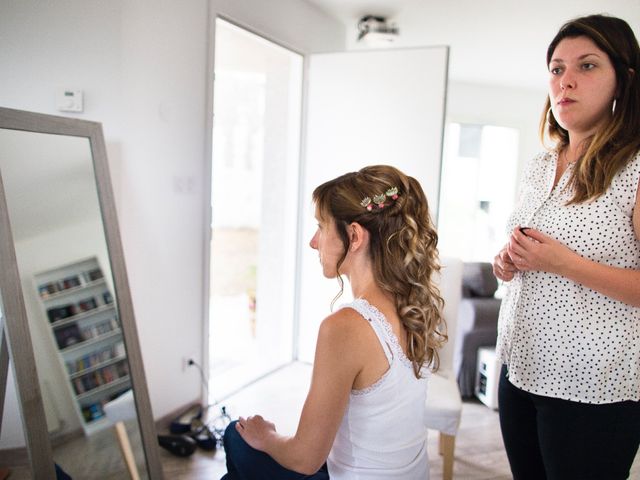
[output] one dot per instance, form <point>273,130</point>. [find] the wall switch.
<point>184,184</point>
<point>69,100</point>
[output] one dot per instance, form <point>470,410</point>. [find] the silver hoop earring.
<point>613,107</point>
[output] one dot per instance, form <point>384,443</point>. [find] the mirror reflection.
<point>67,283</point>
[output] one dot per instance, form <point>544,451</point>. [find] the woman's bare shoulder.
<point>344,320</point>
<point>346,326</point>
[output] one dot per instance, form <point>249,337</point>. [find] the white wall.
<point>144,67</point>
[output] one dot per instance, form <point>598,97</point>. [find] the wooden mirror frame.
<point>15,339</point>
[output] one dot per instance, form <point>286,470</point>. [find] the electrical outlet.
<point>189,361</point>
<point>185,362</point>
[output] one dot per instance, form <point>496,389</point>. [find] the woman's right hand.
<point>256,431</point>
<point>503,268</point>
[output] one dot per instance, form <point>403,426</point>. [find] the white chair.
<point>444,404</point>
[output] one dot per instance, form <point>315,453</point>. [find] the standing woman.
<point>364,413</point>
<point>569,327</point>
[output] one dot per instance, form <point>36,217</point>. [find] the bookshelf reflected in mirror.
<point>77,303</point>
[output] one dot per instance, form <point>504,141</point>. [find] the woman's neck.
<point>358,268</point>
<point>579,141</point>
<point>576,147</point>
<point>571,152</point>
<point>365,286</point>
<point>361,282</point>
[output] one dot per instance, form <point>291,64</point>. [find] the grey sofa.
<point>477,322</point>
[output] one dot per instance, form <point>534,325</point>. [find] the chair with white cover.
<point>444,404</point>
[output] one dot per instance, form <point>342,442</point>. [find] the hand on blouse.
<point>256,431</point>
<point>503,268</point>
<point>533,250</point>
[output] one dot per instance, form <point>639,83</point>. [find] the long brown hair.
<point>613,145</point>
<point>402,247</point>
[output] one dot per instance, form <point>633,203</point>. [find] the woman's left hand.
<point>256,431</point>
<point>534,250</point>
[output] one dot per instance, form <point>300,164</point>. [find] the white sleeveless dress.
<point>382,434</point>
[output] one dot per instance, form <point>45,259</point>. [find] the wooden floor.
<point>479,451</point>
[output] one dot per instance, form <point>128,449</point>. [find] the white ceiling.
<point>498,42</point>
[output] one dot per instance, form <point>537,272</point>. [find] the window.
<point>478,190</point>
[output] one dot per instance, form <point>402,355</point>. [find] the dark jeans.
<point>247,463</point>
<point>554,439</point>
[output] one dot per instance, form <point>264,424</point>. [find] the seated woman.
<point>364,412</point>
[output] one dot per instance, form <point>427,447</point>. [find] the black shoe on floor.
<point>205,438</point>
<point>179,445</point>
<point>182,423</point>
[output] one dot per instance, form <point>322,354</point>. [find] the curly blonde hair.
<point>402,247</point>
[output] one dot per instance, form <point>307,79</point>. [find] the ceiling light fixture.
<point>375,28</point>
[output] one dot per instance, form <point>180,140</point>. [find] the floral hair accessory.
<point>366,203</point>
<point>379,200</point>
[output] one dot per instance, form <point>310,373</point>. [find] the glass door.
<point>255,177</point>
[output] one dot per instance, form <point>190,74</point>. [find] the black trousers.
<point>554,439</point>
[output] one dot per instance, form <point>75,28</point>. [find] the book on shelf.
<point>68,335</point>
<point>92,412</point>
<point>119,350</point>
<point>100,377</point>
<point>70,282</point>
<point>51,288</point>
<point>99,329</point>
<point>107,297</point>
<point>94,274</point>
<point>87,304</point>
<point>115,350</point>
<point>61,312</point>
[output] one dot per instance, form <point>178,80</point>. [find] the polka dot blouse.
<point>559,338</point>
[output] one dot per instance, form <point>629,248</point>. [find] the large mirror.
<point>75,296</point>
